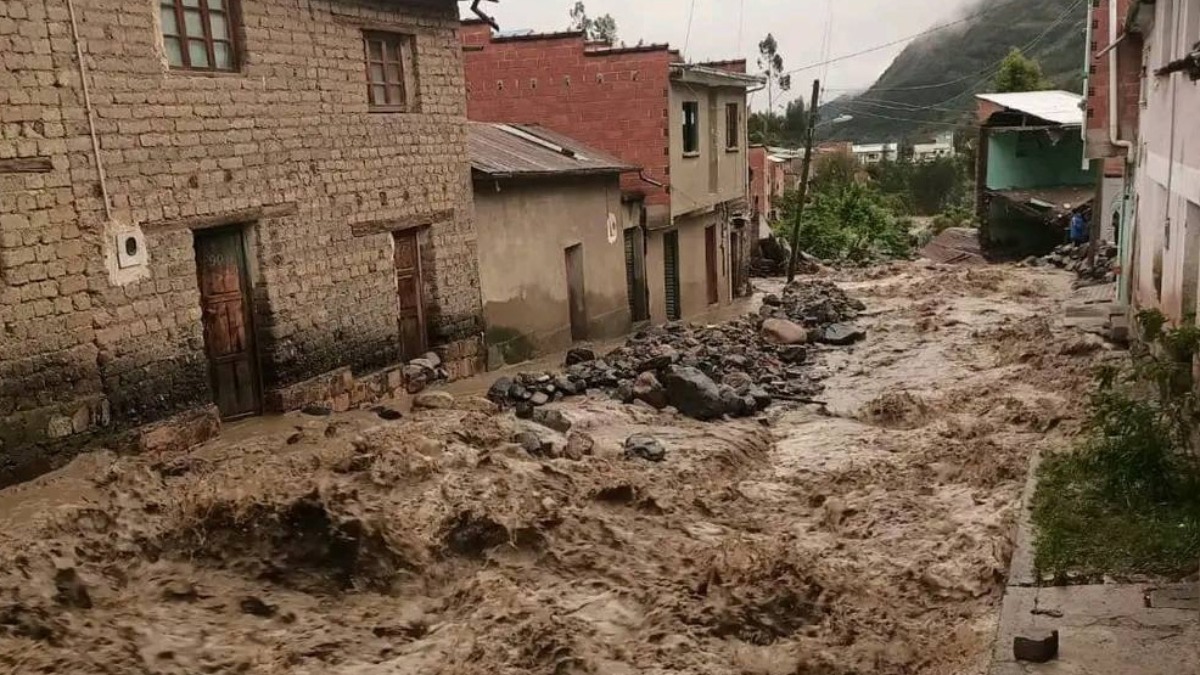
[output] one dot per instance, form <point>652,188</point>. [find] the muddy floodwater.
<point>869,532</point>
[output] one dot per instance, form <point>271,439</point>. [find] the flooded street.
<point>868,533</point>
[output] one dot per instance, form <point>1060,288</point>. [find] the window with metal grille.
<point>733,126</point>
<point>691,128</point>
<point>390,83</point>
<point>199,34</point>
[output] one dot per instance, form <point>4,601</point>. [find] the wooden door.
<point>228,321</point>
<point>674,304</point>
<point>576,296</point>
<point>410,290</point>
<point>710,264</point>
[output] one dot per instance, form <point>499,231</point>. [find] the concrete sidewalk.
<point>1110,629</point>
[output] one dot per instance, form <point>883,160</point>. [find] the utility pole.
<point>814,108</point>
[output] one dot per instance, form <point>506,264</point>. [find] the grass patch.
<point>1127,499</point>
<point>1081,531</point>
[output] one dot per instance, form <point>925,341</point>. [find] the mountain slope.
<point>931,83</point>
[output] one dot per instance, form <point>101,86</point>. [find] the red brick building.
<point>683,125</point>
<point>1109,44</point>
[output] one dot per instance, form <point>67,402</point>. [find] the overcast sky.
<point>798,25</point>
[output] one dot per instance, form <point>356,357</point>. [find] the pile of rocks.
<point>1074,257</point>
<point>736,368</point>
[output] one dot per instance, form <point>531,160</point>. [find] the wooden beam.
<point>26,165</point>
<point>403,223</point>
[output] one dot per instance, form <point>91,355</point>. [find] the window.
<point>390,84</point>
<point>198,34</point>
<point>733,126</point>
<point>691,128</point>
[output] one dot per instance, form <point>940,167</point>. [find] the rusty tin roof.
<point>507,150</point>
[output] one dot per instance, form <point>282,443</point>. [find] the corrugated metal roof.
<point>529,150</point>
<point>1060,107</point>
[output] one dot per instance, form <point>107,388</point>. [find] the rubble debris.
<point>643,446</point>
<point>1077,258</point>
<point>840,334</point>
<point>317,410</point>
<point>434,400</point>
<point>580,355</point>
<point>579,445</point>
<point>750,361</point>
<point>955,246</point>
<point>256,607</point>
<point>551,419</point>
<point>1040,647</point>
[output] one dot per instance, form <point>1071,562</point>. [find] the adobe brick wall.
<point>613,99</point>
<point>286,146</point>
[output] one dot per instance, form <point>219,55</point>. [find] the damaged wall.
<point>286,148</point>
<point>1032,159</point>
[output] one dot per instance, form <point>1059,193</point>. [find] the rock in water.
<point>784,332</point>
<point>579,445</point>
<point>434,400</point>
<point>841,334</point>
<point>551,419</point>
<point>693,393</point>
<point>580,355</point>
<point>500,389</point>
<point>647,388</point>
<point>642,446</point>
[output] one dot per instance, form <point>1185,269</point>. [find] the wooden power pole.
<point>813,108</point>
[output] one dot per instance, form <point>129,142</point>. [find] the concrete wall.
<point>690,174</point>
<point>1168,171</point>
<point>286,147</point>
<point>524,229</point>
<point>1030,159</point>
<point>693,286</point>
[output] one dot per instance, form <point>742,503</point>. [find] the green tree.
<point>603,28</point>
<point>1019,73</point>
<point>770,62</point>
<point>834,169</point>
<point>795,122</point>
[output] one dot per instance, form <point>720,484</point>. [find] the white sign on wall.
<point>613,230</point>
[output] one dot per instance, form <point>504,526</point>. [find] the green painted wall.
<point>1028,159</point>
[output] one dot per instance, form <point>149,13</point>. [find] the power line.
<point>688,38</point>
<point>893,43</point>
<point>990,70</point>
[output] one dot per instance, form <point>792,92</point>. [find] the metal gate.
<point>671,274</point>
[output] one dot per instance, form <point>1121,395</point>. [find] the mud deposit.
<point>868,535</point>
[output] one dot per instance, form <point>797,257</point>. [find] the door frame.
<point>419,272</point>
<point>250,314</point>
<point>574,266</point>
<point>712,266</point>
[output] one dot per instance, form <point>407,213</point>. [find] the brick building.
<point>683,125</point>
<point>1110,44</point>
<point>255,204</point>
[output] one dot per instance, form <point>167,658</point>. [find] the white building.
<point>876,153</point>
<point>942,146</point>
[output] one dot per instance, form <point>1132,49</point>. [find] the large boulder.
<point>647,388</point>
<point>693,393</point>
<point>784,332</point>
<point>643,446</point>
<point>580,355</point>
<point>434,400</point>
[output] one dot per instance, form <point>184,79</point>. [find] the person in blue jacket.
<point>1079,229</point>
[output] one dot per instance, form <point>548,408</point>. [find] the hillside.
<point>931,83</point>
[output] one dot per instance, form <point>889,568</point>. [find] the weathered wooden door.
<point>410,289</point>
<point>635,274</point>
<point>576,295</point>
<point>710,264</point>
<point>228,321</point>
